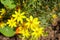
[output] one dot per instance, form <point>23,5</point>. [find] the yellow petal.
<point>27,19</point>
<point>22,13</point>
<point>31,18</point>
<point>16,12</point>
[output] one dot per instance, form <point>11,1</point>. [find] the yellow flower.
<point>37,32</point>
<point>21,27</point>
<point>54,16</point>
<point>32,22</point>
<point>11,22</point>
<point>3,11</point>
<point>1,16</point>
<point>19,30</point>
<point>19,16</point>
<point>24,32</point>
<point>2,24</point>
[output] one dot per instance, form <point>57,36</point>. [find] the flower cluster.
<point>24,26</point>
<point>28,28</point>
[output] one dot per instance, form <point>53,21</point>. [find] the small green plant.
<point>27,18</point>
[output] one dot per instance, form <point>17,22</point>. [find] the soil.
<point>9,38</point>
<point>53,33</point>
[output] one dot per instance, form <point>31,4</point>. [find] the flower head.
<point>2,24</point>
<point>2,11</point>
<point>32,22</point>
<point>1,16</point>
<point>54,16</point>
<point>19,16</point>
<point>11,22</point>
<point>21,27</point>
<point>37,32</point>
<point>24,32</point>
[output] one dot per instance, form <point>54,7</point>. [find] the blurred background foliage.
<point>43,9</point>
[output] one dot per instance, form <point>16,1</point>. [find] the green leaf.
<point>8,4</point>
<point>7,31</point>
